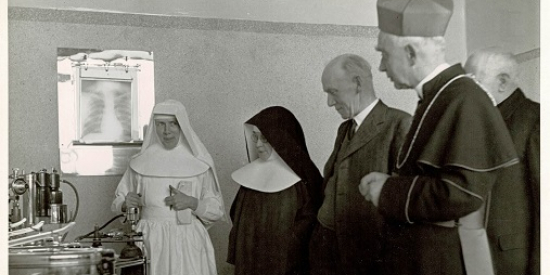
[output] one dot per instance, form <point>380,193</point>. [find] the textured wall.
<point>341,12</point>
<point>512,24</point>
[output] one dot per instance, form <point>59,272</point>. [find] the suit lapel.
<point>329,166</point>
<point>368,129</point>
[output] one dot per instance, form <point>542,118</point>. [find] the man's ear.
<point>504,82</point>
<point>411,54</point>
<point>357,80</point>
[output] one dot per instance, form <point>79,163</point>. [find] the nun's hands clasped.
<point>180,201</point>
<point>371,186</point>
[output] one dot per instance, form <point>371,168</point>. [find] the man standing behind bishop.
<point>513,226</point>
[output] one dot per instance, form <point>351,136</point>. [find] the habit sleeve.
<point>126,184</point>
<point>209,208</point>
<point>457,143</point>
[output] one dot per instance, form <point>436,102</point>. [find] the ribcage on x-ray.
<point>123,111</point>
<point>92,123</point>
<point>108,116</point>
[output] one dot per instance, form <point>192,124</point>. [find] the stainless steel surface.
<point>30,200</point>
<point>17,224</point>
<point>54,179</point>
<point>64,213</point>
<point>128,263</point>
<point>19,186</point>
<point>56,213</point>
<point>30,229</point>
<point>43,209</point>
<point>42,236</point>
<point>132,214</point>
<point>61,260</point>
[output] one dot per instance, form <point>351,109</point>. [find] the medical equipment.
<point>131,260</point>
<point>32,195</point>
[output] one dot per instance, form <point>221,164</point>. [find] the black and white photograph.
<point>240,137</point>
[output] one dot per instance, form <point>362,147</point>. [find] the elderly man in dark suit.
<point>513,224</point>
<point>346,240</point>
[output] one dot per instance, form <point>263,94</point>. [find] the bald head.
<point>352,66</point>
<point>496,70</point>
<point>347,80</point>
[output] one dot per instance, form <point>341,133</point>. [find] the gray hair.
<point>493,60</point>
<point>355,65</point>
<point>429,50</point>
<point>436,42</point>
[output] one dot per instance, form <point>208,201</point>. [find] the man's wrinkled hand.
<point>371,186</point>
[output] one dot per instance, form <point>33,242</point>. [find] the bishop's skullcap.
<point>426,18</point>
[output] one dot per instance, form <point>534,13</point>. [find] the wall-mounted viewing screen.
<point>105,98</point>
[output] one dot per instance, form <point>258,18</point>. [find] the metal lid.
<point>48,257</point>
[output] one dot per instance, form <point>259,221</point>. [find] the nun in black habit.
<point>276,206</point>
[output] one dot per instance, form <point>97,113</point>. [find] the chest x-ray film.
<point>105,99</point>
<point>105,111</point>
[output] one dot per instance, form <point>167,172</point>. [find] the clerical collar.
<point>429,77</point>
<point>360,117</point>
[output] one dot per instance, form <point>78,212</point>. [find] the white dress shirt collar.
<point>360,117</point>
<point>429,77</point>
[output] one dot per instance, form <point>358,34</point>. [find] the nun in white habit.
<point>174,181</point>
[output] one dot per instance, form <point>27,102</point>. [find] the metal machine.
<point>45,254</point>
<point>131,260</point>
<point>37,196</point>
<point>39,224</point>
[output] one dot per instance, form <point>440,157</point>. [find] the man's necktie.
<point>352,129</point>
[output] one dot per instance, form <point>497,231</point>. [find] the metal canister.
<point>30,212</point>
<point>43,206</point>
<point>43,177</point>
<point>54,179</point>
<point>56,196</point>
<point>132,214</point>
<point>64,214</point>
<point>56,213</point>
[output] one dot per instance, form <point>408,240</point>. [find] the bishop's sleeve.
<point>443,195</point>
<point>456,148</point>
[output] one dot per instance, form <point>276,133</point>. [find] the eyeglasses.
<point>258,136</point>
